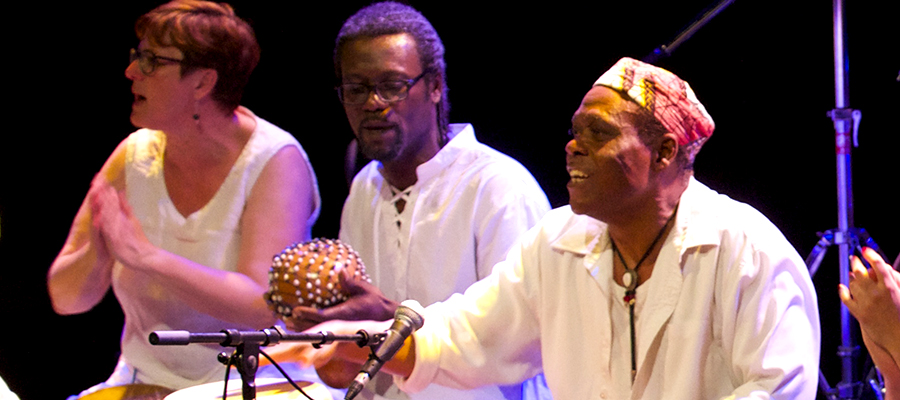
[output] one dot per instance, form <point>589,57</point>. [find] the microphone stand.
<point>247,344</point>
<point>667,49</point>
<point>846,237</point>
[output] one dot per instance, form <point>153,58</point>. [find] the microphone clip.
<point>373,340</point>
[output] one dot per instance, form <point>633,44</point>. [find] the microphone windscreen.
<point>170,337</point>
<point>412,311</point>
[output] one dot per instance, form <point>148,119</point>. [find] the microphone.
<point>407,319</point>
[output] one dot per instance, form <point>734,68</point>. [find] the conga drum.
<point>266,389</point>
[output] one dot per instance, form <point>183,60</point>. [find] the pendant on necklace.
<point>630,279</point>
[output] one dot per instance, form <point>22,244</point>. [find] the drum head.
<point>134,391</point>
<point>266,388</point>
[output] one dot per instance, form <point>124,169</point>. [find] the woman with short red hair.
<point>183,218</point>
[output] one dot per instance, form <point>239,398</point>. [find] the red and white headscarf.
<point>666,96</point>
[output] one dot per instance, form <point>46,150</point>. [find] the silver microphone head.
<point>411,311</point>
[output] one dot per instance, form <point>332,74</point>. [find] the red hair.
<point>209,35</point>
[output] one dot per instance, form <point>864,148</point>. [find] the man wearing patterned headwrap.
<point>649,285</point>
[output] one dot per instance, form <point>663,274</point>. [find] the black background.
<point>764,69</point>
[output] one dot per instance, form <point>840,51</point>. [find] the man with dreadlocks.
<point>435,209</point>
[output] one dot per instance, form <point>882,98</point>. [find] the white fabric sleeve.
<point>488,335</point>
<point>767,298</point>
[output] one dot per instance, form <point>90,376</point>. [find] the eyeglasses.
<point>148,61</point>
<point>387,91</point>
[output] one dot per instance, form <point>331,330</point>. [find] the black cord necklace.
<point>630,279</point>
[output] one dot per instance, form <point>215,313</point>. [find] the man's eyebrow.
<point>384,75</point>
<point>595,123</point>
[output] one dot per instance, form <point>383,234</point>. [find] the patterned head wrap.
<point>666,96</point>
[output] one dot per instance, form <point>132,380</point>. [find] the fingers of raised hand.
<point>858,271</point>
<point>871,255</point>
<point>883,272</point>
<point>844,294</point>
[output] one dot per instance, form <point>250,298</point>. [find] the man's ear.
<point>666,150</point>
<point>437,88</point>
<point>206,82</point>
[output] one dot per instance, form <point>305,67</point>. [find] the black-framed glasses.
<point>387,91</point>
<point>149,61</point>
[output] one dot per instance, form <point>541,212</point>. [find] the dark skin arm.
<point>338,363</point>
<point>366,302</point>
